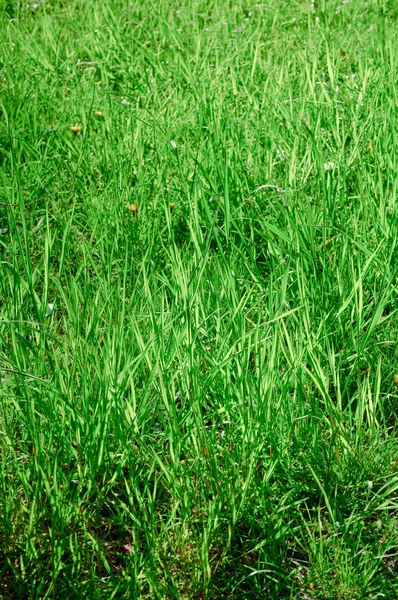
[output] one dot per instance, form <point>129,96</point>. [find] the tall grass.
<point>198,299</point>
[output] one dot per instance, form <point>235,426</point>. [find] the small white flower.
<point>329,166</point>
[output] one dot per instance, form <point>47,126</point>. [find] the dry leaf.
<point>127,549</point>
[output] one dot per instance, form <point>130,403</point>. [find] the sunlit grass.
<point>198,300</point>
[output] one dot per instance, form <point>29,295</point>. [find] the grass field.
<point>198,299</point>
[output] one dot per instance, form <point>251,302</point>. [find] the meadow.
<point>198,299</point>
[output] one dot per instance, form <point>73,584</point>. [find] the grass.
<point>209,409</point>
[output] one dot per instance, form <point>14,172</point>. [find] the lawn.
<point>198,299</point>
